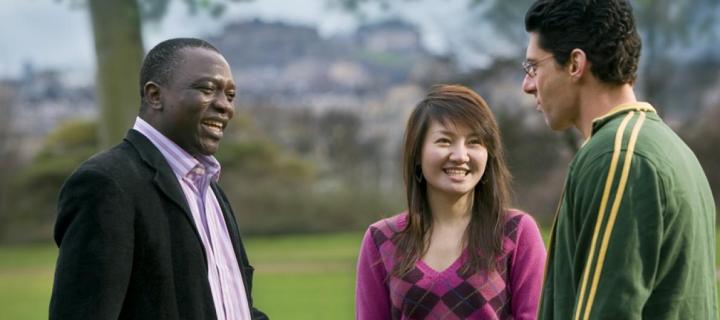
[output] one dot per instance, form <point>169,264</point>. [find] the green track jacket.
<point>634,236</point>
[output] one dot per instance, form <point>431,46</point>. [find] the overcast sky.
<point>54,34</point>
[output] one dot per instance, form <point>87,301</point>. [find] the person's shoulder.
<point>516,219</point>
<point>516,215</point>
<point>115,161</point>
<point>392,224</point>
<point>385,229</point>
<point>110,155</point>
<point>644,135</point>
<point>647,127</point>
<point>606,131</point>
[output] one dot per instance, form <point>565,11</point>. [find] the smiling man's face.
<point>197,101</point>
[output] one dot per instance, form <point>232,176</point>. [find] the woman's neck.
<point>450,210</point>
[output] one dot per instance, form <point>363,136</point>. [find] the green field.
<point>296,277</point>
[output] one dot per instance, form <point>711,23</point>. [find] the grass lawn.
<point>26,275</point>
<point>296,277</point>
<point>305,277</point>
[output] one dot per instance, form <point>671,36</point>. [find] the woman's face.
<point>453,160</point>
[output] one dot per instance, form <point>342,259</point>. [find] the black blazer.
<point>128,245</point>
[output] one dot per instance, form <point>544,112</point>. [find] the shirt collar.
<point>181,162</point>
<point>624,108</point>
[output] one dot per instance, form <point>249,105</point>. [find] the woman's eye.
<point>442,141</point>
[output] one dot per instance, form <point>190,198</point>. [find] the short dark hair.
<point>162,59</point>
<point>604,29</point>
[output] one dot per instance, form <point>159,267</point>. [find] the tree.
<point>119,50</point>
<point>8,155</point>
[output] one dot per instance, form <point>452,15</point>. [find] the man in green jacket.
<point>634,236</point>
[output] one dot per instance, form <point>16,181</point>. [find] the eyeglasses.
<point>530,67</point>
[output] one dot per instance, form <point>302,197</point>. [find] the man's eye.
<point>206,90</point>
<point>230,95</point>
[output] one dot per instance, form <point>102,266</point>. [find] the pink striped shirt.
<point>194,175</point>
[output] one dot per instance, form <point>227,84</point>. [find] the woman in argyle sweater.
<point>458,252</point>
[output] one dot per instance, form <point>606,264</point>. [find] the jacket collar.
<point>164,177</point>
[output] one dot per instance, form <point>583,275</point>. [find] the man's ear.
<point>152,91</point>
<point>578,64</point>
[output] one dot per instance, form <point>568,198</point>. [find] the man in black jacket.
<point>143,228</point>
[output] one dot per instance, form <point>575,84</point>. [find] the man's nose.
<point>528,84</point>
<point>224,104</point>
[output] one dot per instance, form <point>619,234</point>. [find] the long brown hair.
<point>463,107</point>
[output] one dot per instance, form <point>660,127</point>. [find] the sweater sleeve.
<point>624,224</point>
<point>372,298</point>
<point>527,267</point>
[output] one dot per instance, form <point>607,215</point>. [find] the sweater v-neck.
<point>432,272</point>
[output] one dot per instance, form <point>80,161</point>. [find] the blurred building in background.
<point>316,141</point>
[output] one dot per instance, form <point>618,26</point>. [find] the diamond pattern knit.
<point>425,293</point>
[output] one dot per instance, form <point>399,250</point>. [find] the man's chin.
<point>209,151</point>
<point>208,148</point>
<point>549,123</point>
<point>555,126</point>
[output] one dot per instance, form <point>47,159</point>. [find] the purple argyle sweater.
<point>510,292</point>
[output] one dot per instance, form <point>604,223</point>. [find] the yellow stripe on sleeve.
<point>601,212</point>
<point>613,212</point>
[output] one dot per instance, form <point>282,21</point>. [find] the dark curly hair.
<point>162,59</point>
<point>603,29</point>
